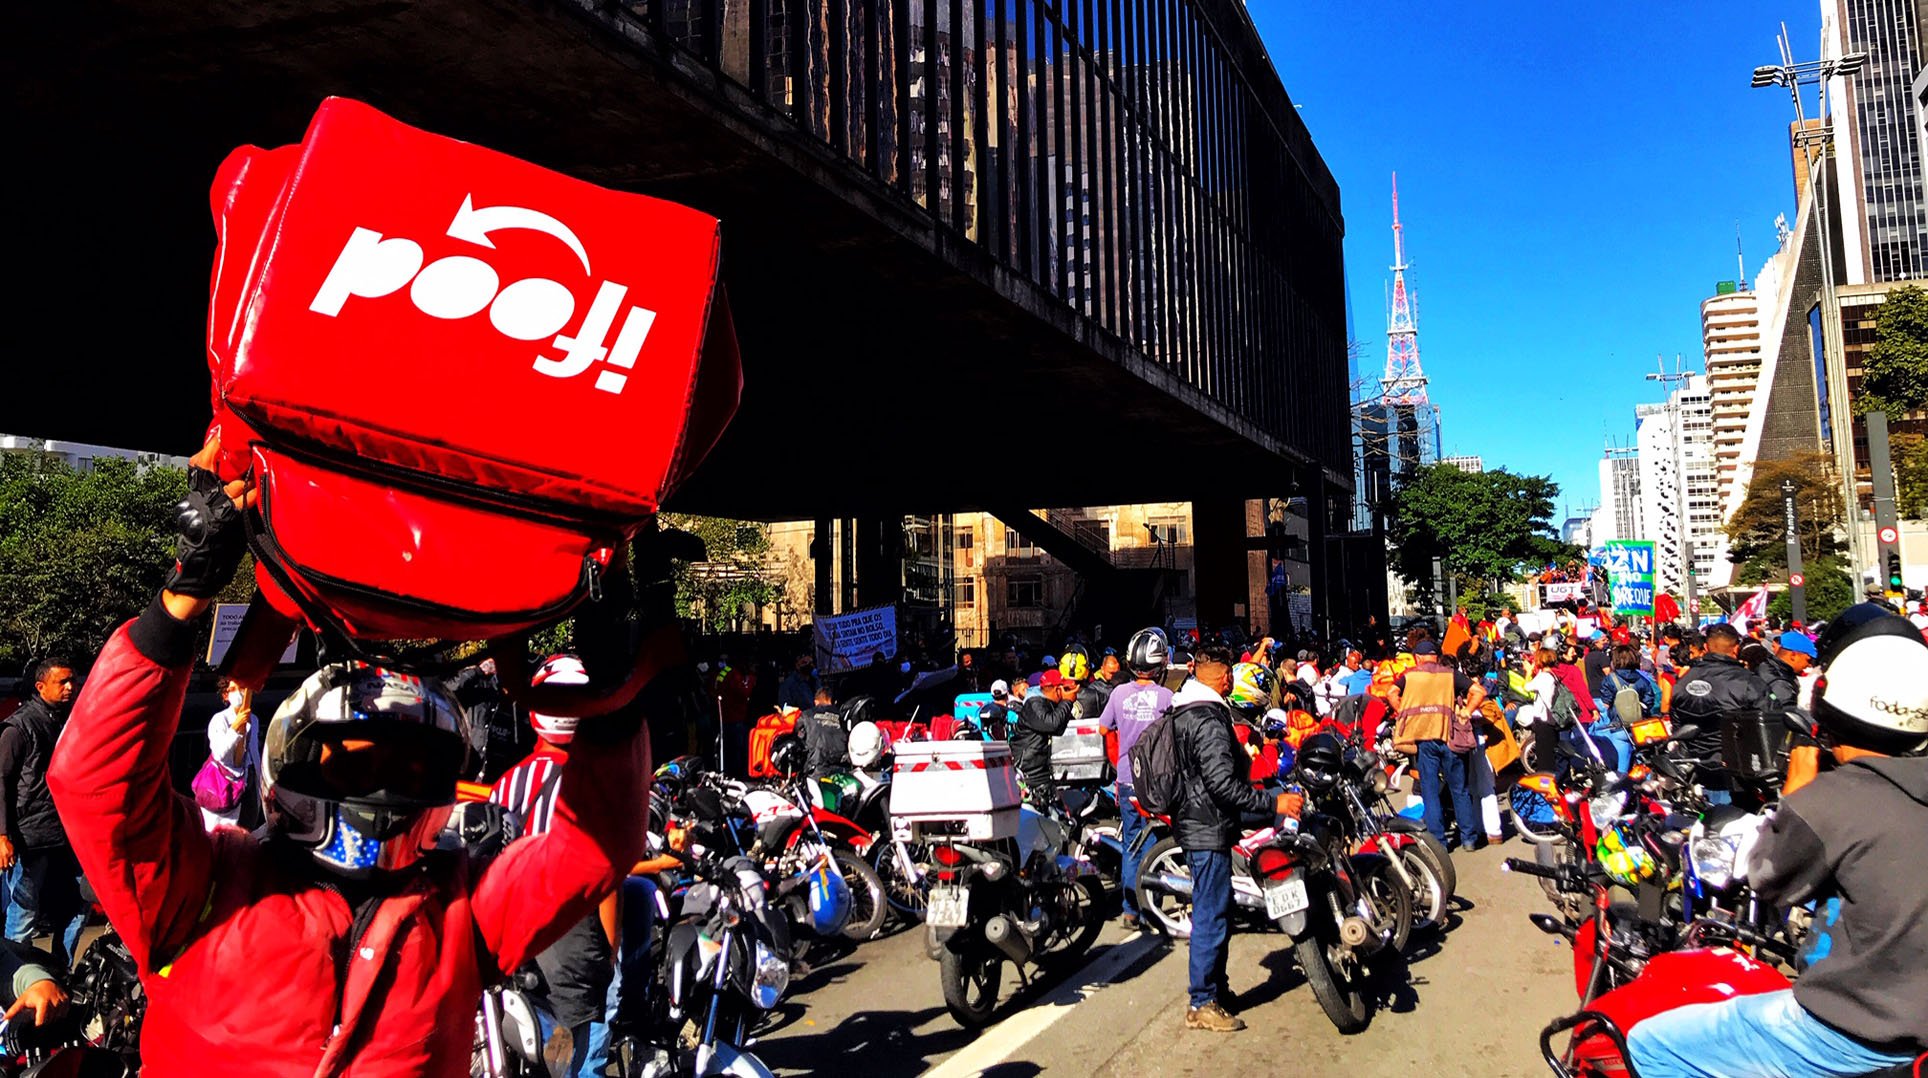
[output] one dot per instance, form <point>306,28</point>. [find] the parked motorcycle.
<point>516,1033</point>
<point>1027,900</point>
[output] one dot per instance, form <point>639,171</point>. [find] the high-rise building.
<point>1884,213</point>
<point>1730,330</point>
<point>1620,512</point>
<point>1465,464</point>
<point>1666,493</point>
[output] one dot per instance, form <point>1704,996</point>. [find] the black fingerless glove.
<point>212,538</point>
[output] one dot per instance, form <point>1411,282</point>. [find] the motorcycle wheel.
<point>1393,902</point>
<point>1080,912</point>
<point>1436,854</point>
<point>971,981</point>
<point>867,903</point>
<point>1431,896</point>
<point>1172,914</point>
<point>907,897</point>
<point>1343,998</point>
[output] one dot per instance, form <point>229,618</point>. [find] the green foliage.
<point>1910,455</point>
<point>1757,533</point>
<point>80,552</point>
<point>1894,376</point>
<point>738,573</point>
<point>1830,590</point>
<point>1485,527</point>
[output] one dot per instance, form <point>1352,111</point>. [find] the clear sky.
<point>1570,178</point>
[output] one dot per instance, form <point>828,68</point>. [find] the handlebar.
<point>1532,868</point>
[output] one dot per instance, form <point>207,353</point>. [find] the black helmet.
<point>1319,760</point>
<point>1147,652</point>
<point>859,708</point>
<point>1837,632</point>
<point>1874,691</point>
<point>789,757</point>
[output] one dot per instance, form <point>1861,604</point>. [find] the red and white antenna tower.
<point>1404,384</point>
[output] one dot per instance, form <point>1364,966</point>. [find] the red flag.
<point>1665,608</point>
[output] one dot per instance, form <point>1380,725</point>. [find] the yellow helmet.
<point>1075,665</point>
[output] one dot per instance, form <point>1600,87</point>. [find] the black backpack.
<point>1157,766</point>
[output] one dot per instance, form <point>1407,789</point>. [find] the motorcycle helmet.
<point>867,745</point>
<point>1319,760</point>
<point>675,774</point>
<point>561,669</point>
<point>1276,723</point>
<point>858,709</point>
<point>1251,689</point>
<point>1147,652</point>
<point>1624,857</point>
<point>1874,692</point>
<point>1075,664</point>
<point>789,757</point>
<point>829,899</point>
<point>360,764</point>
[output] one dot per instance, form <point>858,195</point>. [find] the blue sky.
<point>1569,178</point>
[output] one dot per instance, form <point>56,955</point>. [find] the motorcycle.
<point>517,1035</point>
<point>1421,863</point>
<point>792,813</point>
<point>1026,900</point>
<point>730,817</point>
<point>726,963</point>
<point>99,1036</point>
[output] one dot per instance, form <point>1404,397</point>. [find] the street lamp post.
<point>1676,383</point>
<point>1815,147</point>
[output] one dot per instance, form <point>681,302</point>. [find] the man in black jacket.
<point>42,875</point>
<point>1713,690</point>
<point>1215,795</point>
<point>821,729</point>
<point>1043,716</point>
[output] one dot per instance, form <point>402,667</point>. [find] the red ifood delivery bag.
<point>460,379</point>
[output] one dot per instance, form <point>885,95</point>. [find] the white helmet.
<point>359,765</point>
<point>562,669</point>
<point>1874,694</point>
<point>866,744</point>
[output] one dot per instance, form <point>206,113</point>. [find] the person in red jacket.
<point>340,942</point>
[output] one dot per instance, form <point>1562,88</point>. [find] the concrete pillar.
<point>823,555</point>
<point>880,560</point>
<point>1318,508</point>
<point>1219,559</point>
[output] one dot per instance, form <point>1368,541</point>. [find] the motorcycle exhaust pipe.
<point>1181,886</point>
<point>1001,932</point>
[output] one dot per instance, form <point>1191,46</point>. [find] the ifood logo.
<point>371,266</point>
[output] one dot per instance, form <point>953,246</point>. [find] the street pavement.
<point>1472,1002</point>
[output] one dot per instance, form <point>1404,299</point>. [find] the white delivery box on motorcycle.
<point>1078,754</point>
<point>953,789</point>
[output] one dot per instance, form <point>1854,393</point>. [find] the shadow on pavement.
<point>890,1049</point>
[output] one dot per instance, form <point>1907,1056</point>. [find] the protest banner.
<point>847,641</point>
<point>1630,576</point>
<point>227,622</point>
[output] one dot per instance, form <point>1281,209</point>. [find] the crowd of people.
<point>369,936</point>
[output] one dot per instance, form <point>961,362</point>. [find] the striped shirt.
<point>521,790</point>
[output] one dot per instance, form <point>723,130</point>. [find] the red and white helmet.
<point>564,669</point>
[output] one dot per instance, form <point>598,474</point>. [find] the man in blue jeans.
<point>1214,796</point>
<point>1425,700</point>
<point>42,877</point>
<point>1129,710</point>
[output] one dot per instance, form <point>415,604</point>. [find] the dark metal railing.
<point>1136,160</point>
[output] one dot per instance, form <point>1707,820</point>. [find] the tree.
<point>1830,590</point>
<point>1484,527</point>
<point>1910,455</point>
<point>737,574</point>
<point>1894,375</point>
<point>1757,533</point>
<point>80,552</point>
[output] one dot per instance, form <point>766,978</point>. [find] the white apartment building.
<point>1664,496</point>
<point>1620,515</point>
<point>1730,326</point>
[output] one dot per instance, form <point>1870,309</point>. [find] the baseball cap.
<point>1799,643</point>
<point>1425,647</point>
<point>1051,677</point>
<point>1000,688</point>
<point>1597,635</point>
<point>1051,661</point>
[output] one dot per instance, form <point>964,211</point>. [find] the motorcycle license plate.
<point>949,907</point>
<point>1285,897</point>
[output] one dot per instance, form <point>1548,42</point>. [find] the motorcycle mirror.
<point>1799,721</point>
<point>1686,730</point>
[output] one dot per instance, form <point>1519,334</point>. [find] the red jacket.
<point>237,942</point>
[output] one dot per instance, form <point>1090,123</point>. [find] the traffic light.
<point>1894,570</point>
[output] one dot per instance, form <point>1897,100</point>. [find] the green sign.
<point>1630,576</point>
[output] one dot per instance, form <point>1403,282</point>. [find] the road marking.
<point>1001,1041</point>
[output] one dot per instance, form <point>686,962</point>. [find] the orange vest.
<point>1425,707</point>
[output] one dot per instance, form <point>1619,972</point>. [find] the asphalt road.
<point>1471,1002</point>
